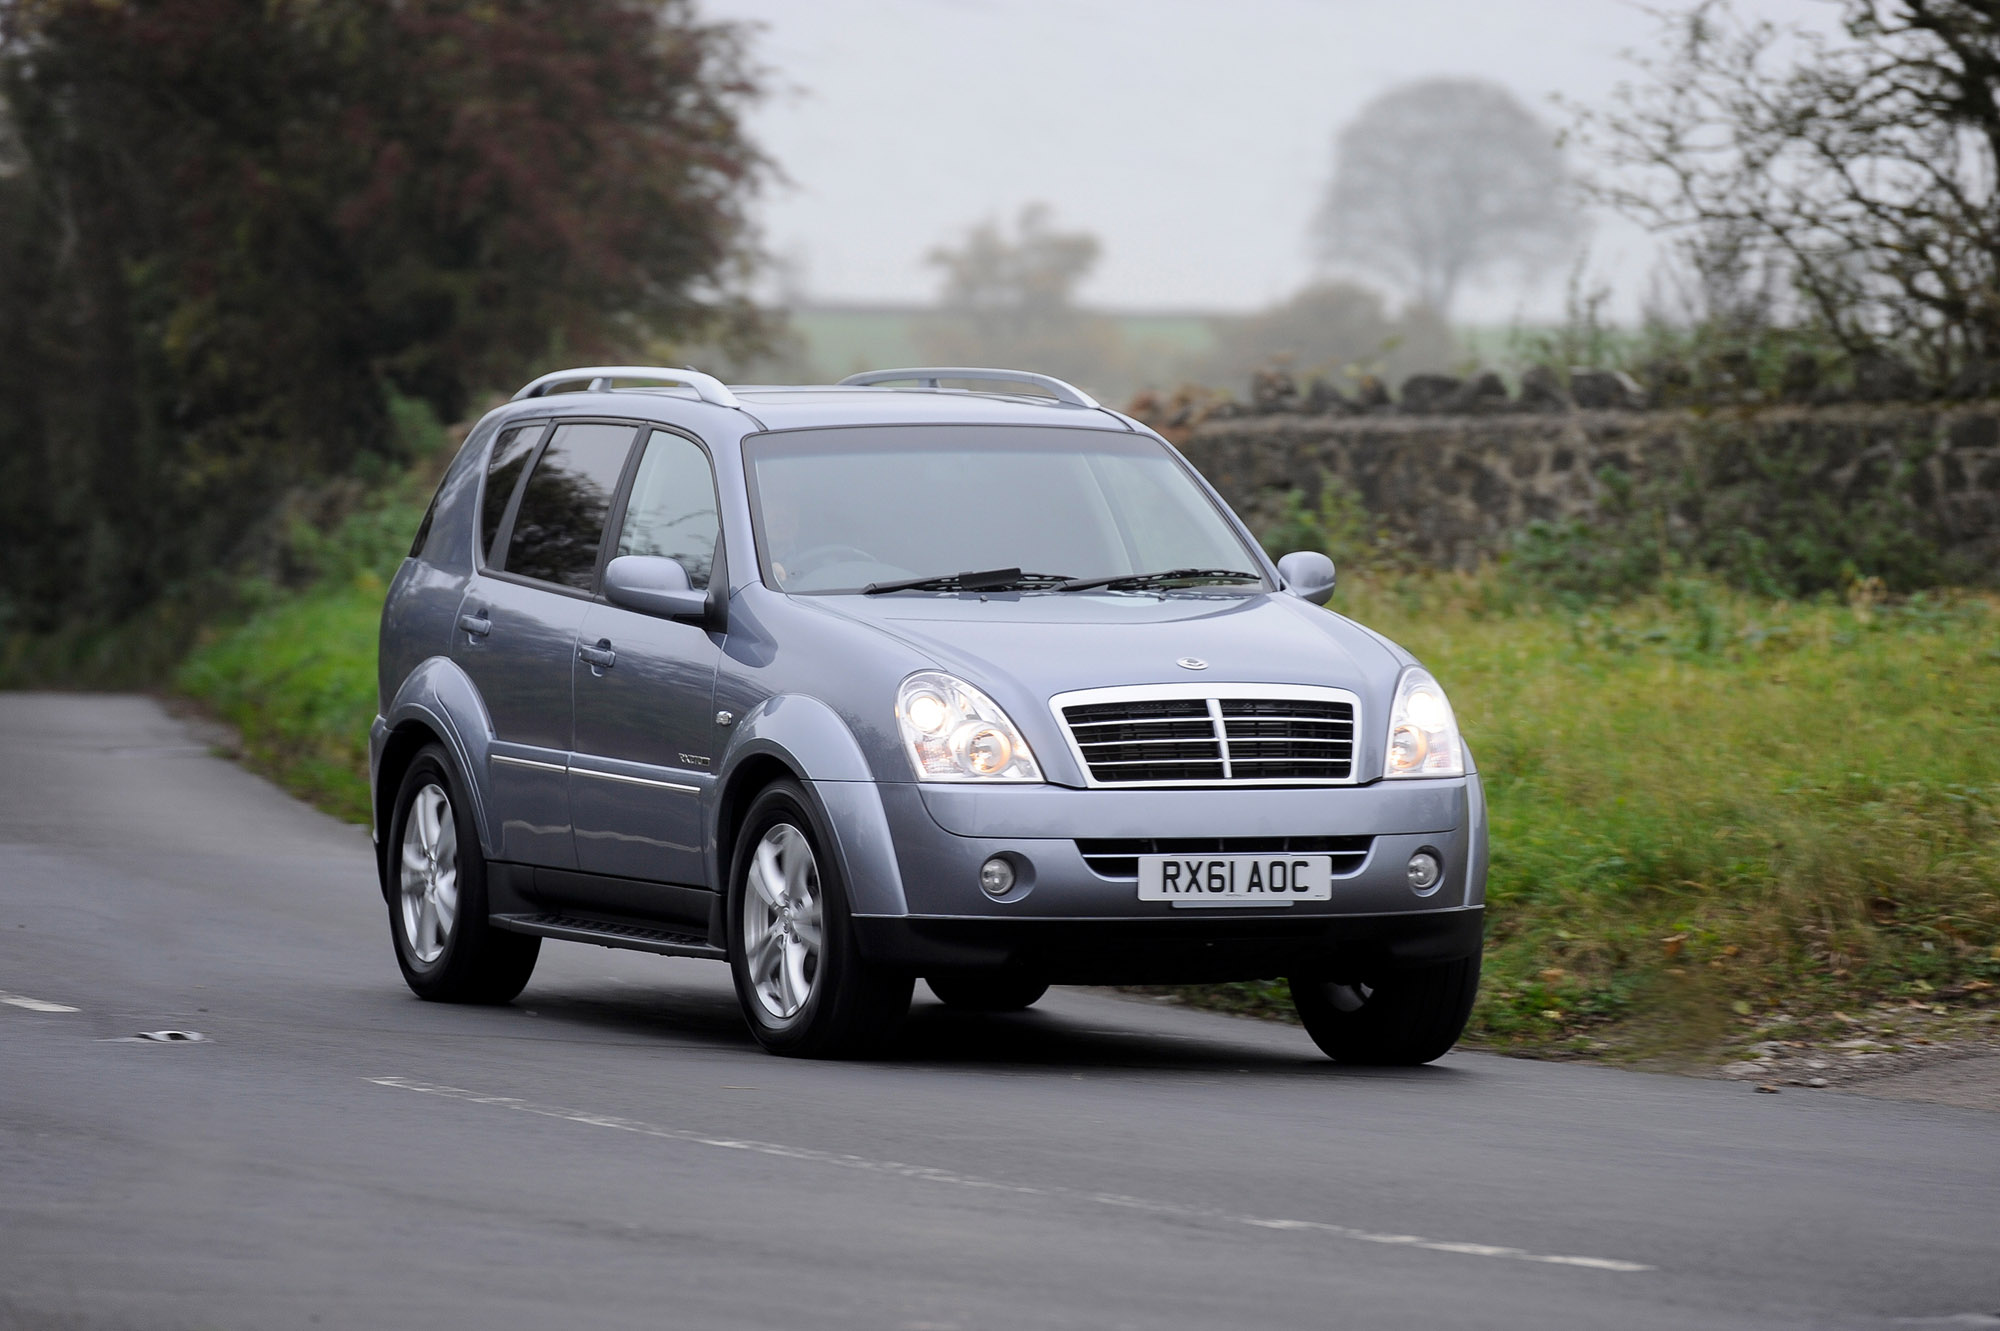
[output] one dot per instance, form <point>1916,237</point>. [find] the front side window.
<point>560,521</point>
<point>839,509</point>
<point>511,452</point>
<point>672,511</point>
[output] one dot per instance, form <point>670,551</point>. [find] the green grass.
<point>294,669</point>
<point>297,681</point>
<point>1709,809</point>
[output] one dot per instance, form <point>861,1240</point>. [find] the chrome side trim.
<point>1212,694</point>
<point>674,786</point>
<point>512,761</point>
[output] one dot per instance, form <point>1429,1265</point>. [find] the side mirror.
<point>1308,575</point>
<point>654,585</point>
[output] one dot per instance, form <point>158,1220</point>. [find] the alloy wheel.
<point>782,936</point>
<point>430,874</point>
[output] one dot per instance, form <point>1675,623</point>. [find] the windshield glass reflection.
<point>840,510</point>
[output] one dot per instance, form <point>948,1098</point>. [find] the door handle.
<point>600,657</point>
<point>478,625</point>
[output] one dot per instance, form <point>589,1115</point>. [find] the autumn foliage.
<point>232,231</point>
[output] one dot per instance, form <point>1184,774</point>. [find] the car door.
<point>645,692</point>
<point>518,621</point>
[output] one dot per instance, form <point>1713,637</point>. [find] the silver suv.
<point>942,673</point>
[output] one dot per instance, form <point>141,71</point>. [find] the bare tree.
<point>1863,166</point>
<point>1720,278</point>
<point>1440,182</point>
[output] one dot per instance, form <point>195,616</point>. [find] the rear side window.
<point>423,536</point>
<point>503,471</point>
<point>672,510</point>
<point>560,522</point>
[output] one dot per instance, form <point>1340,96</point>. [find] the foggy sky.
<point>1194,137</point>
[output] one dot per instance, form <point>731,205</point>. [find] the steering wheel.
<point>806,561</point>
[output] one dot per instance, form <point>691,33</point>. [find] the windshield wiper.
<point>987,580</point>
<point>1137,581</point>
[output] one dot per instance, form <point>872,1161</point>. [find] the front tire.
<point>1401,1018</point>
<point>804,986</point>
<point>973,991</point>
<point>447,949</point>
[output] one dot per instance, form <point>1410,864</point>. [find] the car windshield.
<point>841,510</point>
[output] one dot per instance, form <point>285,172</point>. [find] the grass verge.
<point>1714,814</point>
<point>297,681</point>
<point>294,669</point>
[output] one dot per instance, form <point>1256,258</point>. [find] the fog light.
<point>996,877</point>
<point>1424,872</point>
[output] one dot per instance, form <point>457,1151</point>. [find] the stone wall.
<point>1456,488</point>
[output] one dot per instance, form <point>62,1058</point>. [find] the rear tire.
<point>804,986</point>
<point>447,949</point>
<point>976,991</point>
<point>1399,1019</point>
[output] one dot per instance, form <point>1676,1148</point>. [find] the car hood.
<point>1043,644</point>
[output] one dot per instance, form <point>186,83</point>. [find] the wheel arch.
<point>738,791</point>
<point>399,749</point>
<point>437,704</point>
<point>803,739</point>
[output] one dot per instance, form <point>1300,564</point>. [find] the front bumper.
<point>1177,951</point>
<point>1071,922</point>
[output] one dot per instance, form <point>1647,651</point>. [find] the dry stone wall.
<point>1457,488</point>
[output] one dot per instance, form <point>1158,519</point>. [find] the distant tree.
<point>1441,182</point>
<point>1019,281</point>
<point>1861,167</point>
<point>1325,330</point>
<point>1009,301</point>
<point>230,228</point>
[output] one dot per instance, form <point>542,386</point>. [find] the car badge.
<point>1192,663</point>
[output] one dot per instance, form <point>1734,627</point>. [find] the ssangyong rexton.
<point>850,685</point>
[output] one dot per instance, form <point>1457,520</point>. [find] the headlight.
<point>1423,734</point>
<point>953,732</point>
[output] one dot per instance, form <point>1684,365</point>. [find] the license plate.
<point>1235,880</point>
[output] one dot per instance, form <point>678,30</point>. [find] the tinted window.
<point>423,536</point>
<point>561,519</point>
<point>503,469</point>
<point>672,510</point>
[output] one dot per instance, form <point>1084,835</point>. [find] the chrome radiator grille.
<point>1188,735</point>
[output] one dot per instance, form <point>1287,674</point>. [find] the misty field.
<point>1708,807</point>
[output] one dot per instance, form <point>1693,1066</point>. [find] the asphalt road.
<point>613,1151</point>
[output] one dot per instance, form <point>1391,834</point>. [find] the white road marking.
<point>34,1004</point>
<point>932,1174</point>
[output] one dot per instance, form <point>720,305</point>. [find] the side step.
<point>612,933</point>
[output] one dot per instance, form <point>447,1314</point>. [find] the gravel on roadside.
<point>1905,1051</point>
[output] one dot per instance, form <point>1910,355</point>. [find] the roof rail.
<point>706,386</point>
<point>929,375</point>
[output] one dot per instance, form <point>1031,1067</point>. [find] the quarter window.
<point>503,472</point>
<point>672,511</point>
<point>560,521</point>
<point>423,536</point>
